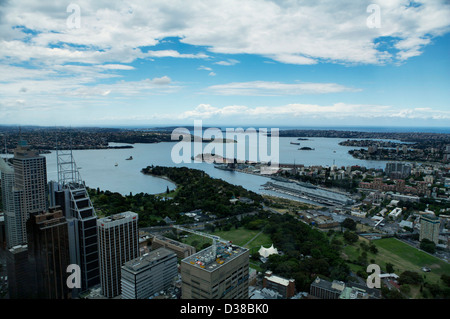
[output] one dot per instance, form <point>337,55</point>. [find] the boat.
<point>306,149</point>
<point>116,164</point>
<point>295,143</point>
<point>224,167</point>
<point>129,158</point>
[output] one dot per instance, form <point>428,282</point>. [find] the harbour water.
<point>98,167</point>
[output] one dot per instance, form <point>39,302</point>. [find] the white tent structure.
<point>266,252</point>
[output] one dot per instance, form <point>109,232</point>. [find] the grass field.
<point>405,257</point>
<point>240,236</point>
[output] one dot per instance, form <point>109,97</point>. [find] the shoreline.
<point>164,177</point>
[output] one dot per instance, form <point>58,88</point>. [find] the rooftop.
<point>137,264</point>
<point>277,279</point>
<point>205,260</point>
<point>170,241</point>
<point>116,217</point>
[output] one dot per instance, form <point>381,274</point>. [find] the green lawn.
<point>402,256</point>
<point>405,257</point>
<point>239,236</point>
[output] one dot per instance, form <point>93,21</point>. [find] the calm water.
<point>98,166</point>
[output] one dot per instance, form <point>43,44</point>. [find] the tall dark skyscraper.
<point>48,248</point>
<point>20,273</point>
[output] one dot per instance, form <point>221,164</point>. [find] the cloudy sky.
<point>235,62</point>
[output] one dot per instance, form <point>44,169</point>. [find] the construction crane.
<point>214,238</point>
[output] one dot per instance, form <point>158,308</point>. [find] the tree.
<point>446,279</point>
<point>373,249</point>
<point>389,268</point>
<point>410,277</point>
<point>428,246</point>
<point>349,223</point>
<point>350,237</point>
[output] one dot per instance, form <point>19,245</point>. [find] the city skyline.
<point>375,63</point>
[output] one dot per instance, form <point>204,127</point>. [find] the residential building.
<point>142,277</point>
<point>398,169</point>
<point>429,227</point>
<point>118,242</point>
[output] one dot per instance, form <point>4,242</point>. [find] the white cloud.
<point>42,60</point>
<point>202,67</point>
<point>116,67</point>
<point>227,62</point>
<point>276,88</point>
<point>308,111</point>
<point>294,32</point>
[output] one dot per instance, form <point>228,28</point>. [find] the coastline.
<point>164,177</point>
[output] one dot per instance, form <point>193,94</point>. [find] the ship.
<point>224,167</point>
<point>295,143</point>
<point>129,158</point>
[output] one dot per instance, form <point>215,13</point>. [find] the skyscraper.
<point>30,177</point>
<point>23,193</point>
<point>12,206</point>
<point>48,248</point>
<point>19,273</point>
<point>118,240</point>
<point>71,194</point>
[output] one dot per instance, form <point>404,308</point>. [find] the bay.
<point>98,167</point>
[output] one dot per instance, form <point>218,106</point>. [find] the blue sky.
<point>257,63</point>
